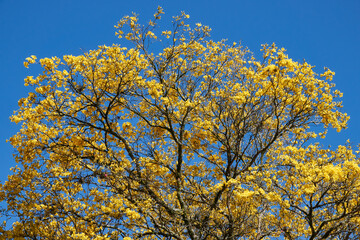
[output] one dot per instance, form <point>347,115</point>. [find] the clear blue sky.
<point>323,32</point>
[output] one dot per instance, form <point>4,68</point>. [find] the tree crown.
<point>197,141</point>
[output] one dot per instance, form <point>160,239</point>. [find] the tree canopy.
<point>179,137</point>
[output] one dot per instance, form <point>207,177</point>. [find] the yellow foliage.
<point>197,141</point>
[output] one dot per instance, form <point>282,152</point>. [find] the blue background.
<point>323,32</point>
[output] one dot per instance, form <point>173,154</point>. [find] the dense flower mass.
<point>199,140</point>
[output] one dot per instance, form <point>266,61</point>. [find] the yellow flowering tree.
<point>198,140</point>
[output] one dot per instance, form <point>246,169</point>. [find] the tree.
<point>197,141</point>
